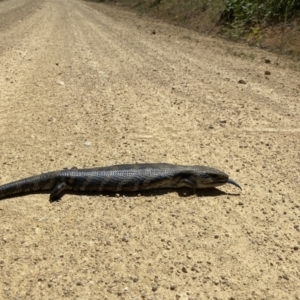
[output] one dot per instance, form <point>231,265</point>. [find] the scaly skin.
<point>119,178</point>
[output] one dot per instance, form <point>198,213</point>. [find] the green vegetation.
<point>242,18</point>
<point>273,24</point>
<point>257,11</point>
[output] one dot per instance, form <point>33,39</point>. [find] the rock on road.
<point>85,84</point>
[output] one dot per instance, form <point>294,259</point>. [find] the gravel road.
<point>85,84</point>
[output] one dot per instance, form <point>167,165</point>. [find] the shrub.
<point>250,12</point>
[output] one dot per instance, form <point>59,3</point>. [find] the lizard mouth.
<point>230,181</point>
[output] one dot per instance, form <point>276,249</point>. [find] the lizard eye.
<point>204,175</point>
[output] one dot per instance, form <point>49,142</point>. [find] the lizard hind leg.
<point>57,191</point>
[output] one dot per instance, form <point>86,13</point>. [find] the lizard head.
<point>209,177</point>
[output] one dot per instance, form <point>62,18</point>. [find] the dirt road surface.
<point>85,84</point>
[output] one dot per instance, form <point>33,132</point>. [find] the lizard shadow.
<point>182,192</point>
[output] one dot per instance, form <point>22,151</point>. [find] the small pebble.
<point>154,288</point>
<point>284,276</point>
<point>267,61</point>
<point>87,143</point>
<point>267,73</point>
<point>60,82</point>
<point>241,81</point>
<point>184,270</point>
<point>194,268</point>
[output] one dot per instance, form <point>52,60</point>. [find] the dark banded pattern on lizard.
<point>119,178</point>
